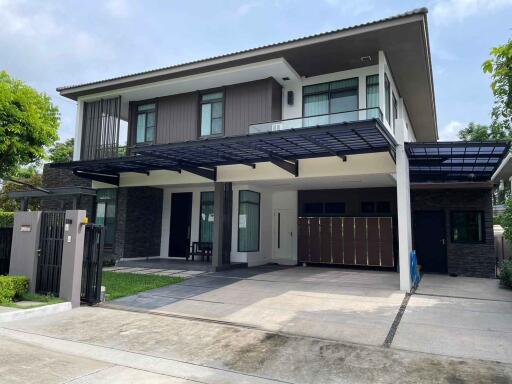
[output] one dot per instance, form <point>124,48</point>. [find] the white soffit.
<point>276,68</point>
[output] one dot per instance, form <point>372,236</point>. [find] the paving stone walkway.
<point>152,271</point>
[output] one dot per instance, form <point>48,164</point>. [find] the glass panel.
<point>150,134</point>
<point>146,107</point>
<point>216,110</point>
<point>316,104</point>
<point>106,213</point>
<point>211,96</point>
<point>383,207</point>
<point>150,119</point>
<point>343,101</point>
<point>216,126</point>
<point>206,118</point>
<point>141,128</point>
<point>345,84</point>
<point>372,96</point>
<point>387,101</point>
<point>313,209</point>
<point>467,227</point>
<point>316,88</point>
<point>248,221</point>
<point>100,213</point>
<point>206,217</point>
<point>334,208</point>
<point>367,207</point>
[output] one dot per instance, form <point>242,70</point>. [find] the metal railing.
<point>317,120</point>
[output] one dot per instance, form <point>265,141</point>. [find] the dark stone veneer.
<point>138,213</point>
<point>475,259</point>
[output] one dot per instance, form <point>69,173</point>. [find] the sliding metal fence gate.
<point>49,261</point>
<point>364,241</point>
<point>92,264</point>
<point>5,250</point>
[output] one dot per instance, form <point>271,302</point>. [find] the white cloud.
<point>451,130</point>
<point>449,11</point>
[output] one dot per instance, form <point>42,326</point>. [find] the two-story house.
<point>318,150</point>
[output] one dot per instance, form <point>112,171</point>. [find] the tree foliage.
<point>62,152</point>
<point>28,175</point>
<point>500,68</point>
<point>480,132</point>
<point>28,123</point>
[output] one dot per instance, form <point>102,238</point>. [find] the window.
<point>313,209</point>
<point>467,227</point>
<point>335,97</point>
<point>206,217</point>
<point>372,96</point>
<point>395,112</point>
<point>106,213</point>
<point>334,208</point>
<point>212,114</point>
<point>387,90</point>
<point>248,221</point>
<point>375,207</point>
<point>146,123</point>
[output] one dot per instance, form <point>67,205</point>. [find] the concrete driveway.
<point>458,316</point>
<point>333,304</point>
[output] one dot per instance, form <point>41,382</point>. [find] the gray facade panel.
<point>177,118</point>
<point>472,259</point>
<point>246,104</point>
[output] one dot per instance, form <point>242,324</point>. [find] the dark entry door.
<point>430,240</point>
<point>181,216</point>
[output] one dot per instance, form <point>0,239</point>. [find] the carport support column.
<point>222,209</point>
<point>72,257</point>
<point>403,195</point>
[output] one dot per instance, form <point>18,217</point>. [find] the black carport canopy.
<point>283,148</point>
<point>455,161</point>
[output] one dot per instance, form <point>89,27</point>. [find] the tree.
<point>10,205</point>
<point>500,68</point>
<point>480,132</point>
<point>62,152</point>
<point>28,123</point>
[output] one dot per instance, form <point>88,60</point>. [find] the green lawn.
<point>45,300</point>
<point>120,284</point>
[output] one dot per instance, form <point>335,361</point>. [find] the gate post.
<point>25,243</point>
<point>72,257</point>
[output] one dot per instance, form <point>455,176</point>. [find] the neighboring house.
<point>319,150</point>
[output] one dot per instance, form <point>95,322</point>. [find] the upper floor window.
<point>387,90</point>
<point>395,112</point>
<point>212,114</point>
<point>146,123</point>
<point>334,97</point>
<point>372,96</point>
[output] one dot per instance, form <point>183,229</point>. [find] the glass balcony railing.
<point>318,120</point>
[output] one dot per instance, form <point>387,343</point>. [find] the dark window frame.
<point>200,112</point>
<point>115,201</point>
<point>259,221</point>
<point>136,119</point>
<point>329,91</point>
<point>394,107</point>
<point>452,227</point>
<point>387,98</point>
<point>201,194</point>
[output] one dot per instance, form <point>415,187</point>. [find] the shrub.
<point>12,287</point>
<point>506,274</point>
<point>6,219</point>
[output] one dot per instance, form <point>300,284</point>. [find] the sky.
<point>49,44</point>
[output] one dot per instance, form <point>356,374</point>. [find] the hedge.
<point>12,287</point>
<point>506,274</point>
<point>6,219</point>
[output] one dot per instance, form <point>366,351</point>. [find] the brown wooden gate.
<point>365,241</point>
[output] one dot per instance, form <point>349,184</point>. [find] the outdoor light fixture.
<point>366,59</point>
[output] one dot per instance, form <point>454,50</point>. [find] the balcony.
<point>318,120</point>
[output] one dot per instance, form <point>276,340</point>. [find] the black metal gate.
<point>92,264</point>
<point>5,250</point>
<point>49,262</point>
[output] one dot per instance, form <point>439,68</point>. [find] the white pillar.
<point>78,129</point>
<point>403,195</point>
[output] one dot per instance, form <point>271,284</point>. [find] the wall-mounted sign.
<point>25,228</point>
